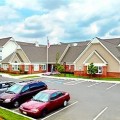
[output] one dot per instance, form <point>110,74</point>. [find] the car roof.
<point>29,82</point>
<point>50,91</point>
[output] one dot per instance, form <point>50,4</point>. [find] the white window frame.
<point>43,67</point>
<point>36,67</point>
<point>15,67</point>
<point>100,69</point>
<point>5,66</point>
<point>26,67</point>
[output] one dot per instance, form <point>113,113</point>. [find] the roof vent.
<point>36,44</point>
<point>75,44</point>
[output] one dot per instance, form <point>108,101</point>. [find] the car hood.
<point>33,104</point>
<point>7,95</point>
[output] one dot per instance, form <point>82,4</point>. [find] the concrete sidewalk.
<point>66,78</point>
<point>19,76</point>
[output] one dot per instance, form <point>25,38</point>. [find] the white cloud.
<point>19,4</point>
<point>8,13</point>
<point>76,19</point>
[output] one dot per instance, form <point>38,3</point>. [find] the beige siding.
<point>113,65</point>
<point>16,59</point>
<point>23,56</point>
<point>94,59</point>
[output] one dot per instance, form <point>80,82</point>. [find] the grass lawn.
<point>27,77</point>
<point>7,115</point>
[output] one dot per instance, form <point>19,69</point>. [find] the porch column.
<point>104,71</point>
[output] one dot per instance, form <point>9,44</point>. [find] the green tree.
<point>60,68</point>
<point>92,69</point>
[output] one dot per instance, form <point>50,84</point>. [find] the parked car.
<point>21,92</point>
<point>4,85</point>
<point>51,73</point>
<point>44,102</point>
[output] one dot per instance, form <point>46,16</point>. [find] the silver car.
<point>4,85</point>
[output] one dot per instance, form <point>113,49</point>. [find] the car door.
<point>24,94</point>
<point>53,101</point>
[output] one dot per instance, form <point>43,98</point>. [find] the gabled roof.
<point>7,59</point>
<point>112,46</point>
<point>3,41</point>
<point>53,50</point>
<point>82,43</point>
<point>72,53</point>
<point>35,54</point>
<point>27,44</point>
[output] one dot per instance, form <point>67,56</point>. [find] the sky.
<point>59,20</point>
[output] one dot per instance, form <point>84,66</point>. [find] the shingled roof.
<point>35,54</point>
<point>54,50</point>
<point>3,41</point>
<point>73,53</point>
<point>112,46</point>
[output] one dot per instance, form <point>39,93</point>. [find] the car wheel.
<point>44,113</point>
<point>16,104</point>
<point>65,103</point>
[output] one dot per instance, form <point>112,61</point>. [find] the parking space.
<point>90,100</point>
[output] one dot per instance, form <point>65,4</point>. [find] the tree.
<point>59,67</point>
<point>92,69</point>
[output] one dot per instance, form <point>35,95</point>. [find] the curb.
<point>90,80</point>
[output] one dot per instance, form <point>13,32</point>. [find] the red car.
<point>44,102</point>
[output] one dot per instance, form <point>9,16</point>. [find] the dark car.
<point>44,102</point>
<point>21,92</point>
<point>4,85</point>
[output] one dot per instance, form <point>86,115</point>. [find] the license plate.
<point>24,112</point>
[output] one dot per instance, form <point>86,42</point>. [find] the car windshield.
<point>42,97</point>
<point>16,88</point>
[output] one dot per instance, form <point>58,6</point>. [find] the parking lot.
<point>89,100</point>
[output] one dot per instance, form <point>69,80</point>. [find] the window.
<point>53,96</point>
<point>0,49</point>
<point>26,67</point>
<point>26,88</point>
<point>5,66</point>
<point>0,57</point>
<point>99,70</point>
<point>15,67</point>
<point>43,67</point>
<point>36,67</point>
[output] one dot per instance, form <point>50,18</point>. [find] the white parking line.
<point>73,83</point>
<point>93,84</point>
<point>100,113</point>
<point>111,86</point>
<point>60,110</point>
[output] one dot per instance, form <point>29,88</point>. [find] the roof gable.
<point>3,41</point>
<point>110,46</point>
<point>95,57</point>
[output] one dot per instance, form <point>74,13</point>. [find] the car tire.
<point>65,103</point>
<point>16,104</point>
<point>44,113</point>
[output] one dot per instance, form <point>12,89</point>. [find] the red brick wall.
<point>113,74</point>
<point>69,68</point>
<point>104,74</point>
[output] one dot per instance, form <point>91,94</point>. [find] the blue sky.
<point>60,20</point>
